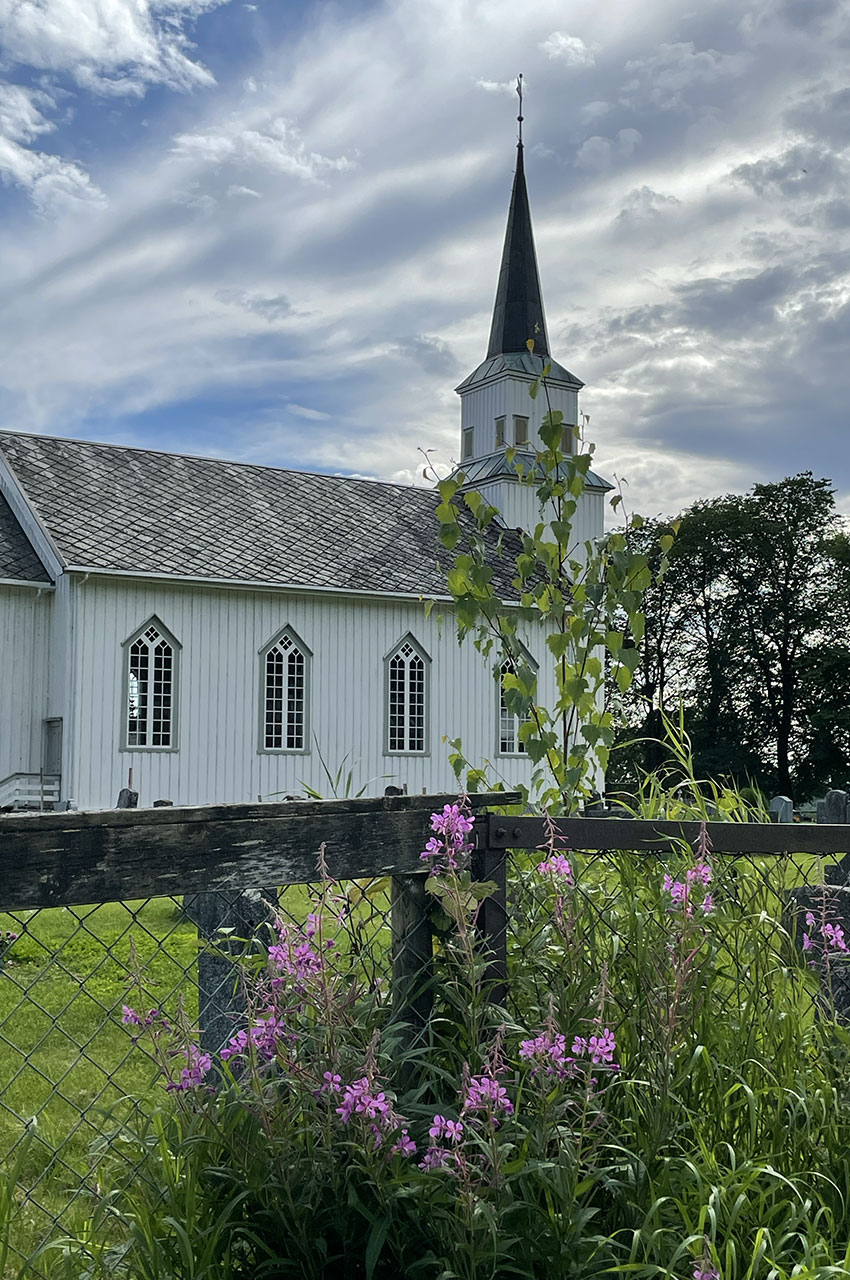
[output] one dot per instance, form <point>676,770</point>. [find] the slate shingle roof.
<point>17,558</point>
<point>111,507</point>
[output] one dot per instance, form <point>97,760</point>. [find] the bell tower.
<point>497,411</point>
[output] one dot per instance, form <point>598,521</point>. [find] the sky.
<point>271,231</point>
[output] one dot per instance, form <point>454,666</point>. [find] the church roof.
<point>518,310</point>
<point>113,508</point>
<point>18,561</point>
<point>478,471</point>
<point>523,363</point>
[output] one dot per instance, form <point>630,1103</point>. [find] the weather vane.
<point>519,95</point>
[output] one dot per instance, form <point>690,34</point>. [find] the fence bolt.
<point>516,833</point>
<point>500,833</point>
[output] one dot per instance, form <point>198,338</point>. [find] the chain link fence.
<point>71,1075</point>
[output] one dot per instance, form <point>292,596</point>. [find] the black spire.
<point>518,311</point>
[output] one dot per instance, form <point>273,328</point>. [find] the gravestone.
<point>782,809</point>
<point>835,808</point>
<point>221,1002</point>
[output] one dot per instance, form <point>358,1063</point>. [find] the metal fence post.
<point>488,864</point>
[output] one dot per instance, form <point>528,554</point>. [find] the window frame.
<point>176,647</point>
<point>467,438</point>
<point>515,754</point>
<point>501,431</point>
<point>285,632</point>
<point>418,649</point>
<point>519,417</point>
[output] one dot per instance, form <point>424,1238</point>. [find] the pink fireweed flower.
<point>129,1016</point>
<point>454,826</point>
<point>484,1093</point>
<point>558,867</point>
<point>404,1145</point>
<point>443,1128</point>
<point>358,1099</point>
<point>549,1053</point>
<point>682,891</point>
<point>262,1037</point>
<point>192,1075</point>
<point>833,936</point>
<point>600,1049</point>
<point>436,1158</point>
<point>705,1272</point>
<point>294,954</point>
<point>332,1082</point>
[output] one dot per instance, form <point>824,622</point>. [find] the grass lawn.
<point>69,1071</point>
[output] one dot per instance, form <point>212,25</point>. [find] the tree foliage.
<point>748,630</point>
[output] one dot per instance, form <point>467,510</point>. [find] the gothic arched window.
<point>407,698</point>
<point>150,684</point>
<point>285,685</point>
<point>510,743</point>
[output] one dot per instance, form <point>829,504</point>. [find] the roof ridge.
<point>202,457</point>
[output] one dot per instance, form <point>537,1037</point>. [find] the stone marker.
<point>781,809</point>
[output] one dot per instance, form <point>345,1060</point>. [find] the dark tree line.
<point>749,632</point>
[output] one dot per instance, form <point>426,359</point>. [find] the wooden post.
<point>489,864</point>
<point>412,951</point>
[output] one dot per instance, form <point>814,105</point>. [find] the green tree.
<point>750,623</point>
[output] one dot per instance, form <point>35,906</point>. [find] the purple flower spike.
<point>558,867</point>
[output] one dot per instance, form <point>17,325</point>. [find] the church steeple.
<point>518,311</point>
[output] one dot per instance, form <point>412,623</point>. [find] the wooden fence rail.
<point>80,858</point>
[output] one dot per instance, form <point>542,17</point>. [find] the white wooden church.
<point>218,627</point>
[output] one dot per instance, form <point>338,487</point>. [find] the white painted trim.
<point>15,494</point>
<point>23,582</point>
<point>251,584</point>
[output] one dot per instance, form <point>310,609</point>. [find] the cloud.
<point>54,185</point>
<point>313,415</point>
<point>277,146</point>
<point>594,111</point>
<point>695,278</point>
<point>569,49</point>
<point>599,153</point>
<point>108,46</point>
<point>497,86</point>
<point>668,76</point>
<point>643,202</point>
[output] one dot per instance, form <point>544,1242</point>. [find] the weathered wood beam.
<point>67,859</point>
<point>651,836</point>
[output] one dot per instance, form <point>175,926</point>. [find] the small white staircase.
<point>29,791</point>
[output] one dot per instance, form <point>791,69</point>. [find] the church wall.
<point>221,633</point>
<point>24,639</point>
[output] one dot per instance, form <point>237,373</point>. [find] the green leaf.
<point>375,1244</point>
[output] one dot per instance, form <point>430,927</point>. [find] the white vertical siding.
<point>507,396</point>
<point>221,632</point>
<point>24,640</point>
